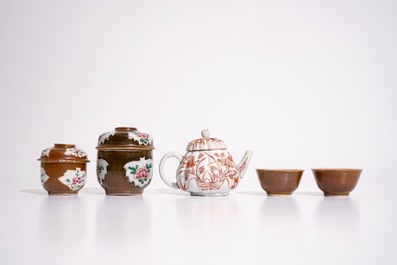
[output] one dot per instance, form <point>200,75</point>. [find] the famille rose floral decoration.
<point>63,169</point>
<point>75,152</point>
<point>74,179</point>
<point>207,169</point>
<point>139,172</point>
<point>140,137</point>
<point>125,161</point>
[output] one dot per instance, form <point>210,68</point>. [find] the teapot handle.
<point>161,169</point>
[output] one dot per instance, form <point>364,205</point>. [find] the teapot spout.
<point>243,165</point>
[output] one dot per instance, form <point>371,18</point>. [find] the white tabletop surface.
<point>302,83</point>
<point>166,226</point>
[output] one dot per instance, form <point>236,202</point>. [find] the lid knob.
<point>205,134</point>
<point>206,143</point>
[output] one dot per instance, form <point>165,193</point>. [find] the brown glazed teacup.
<point>279,182</point>
<point>336,181</point>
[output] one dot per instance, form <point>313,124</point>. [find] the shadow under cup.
<point>279,182</point>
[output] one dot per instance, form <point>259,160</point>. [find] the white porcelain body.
<point>206,172</point>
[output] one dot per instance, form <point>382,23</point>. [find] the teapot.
<point>207,169</point>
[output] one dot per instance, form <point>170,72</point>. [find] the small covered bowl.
<point>125,161</point>
<point>63,169</point>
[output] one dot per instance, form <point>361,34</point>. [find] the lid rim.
<point>124,147</point>
<point>63,161</point>
<point>206,149</point>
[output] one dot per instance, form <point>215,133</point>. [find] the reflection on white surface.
<point>279,217</point>
<point>335,215</point>
<point>36,191</point>
<point>279,210</point>
<point>201,219</point>
<point>123,223</point>
<point>169,191</point>
<point>63,225</point>
<point>336,226</point>
<point>61,217</point>
<point>167,227</point>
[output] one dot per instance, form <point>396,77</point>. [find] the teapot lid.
<point>125,138</point>
<point>63,153</point>
<point>206,143</point>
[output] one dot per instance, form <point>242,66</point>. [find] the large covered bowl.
<point>125,161</point>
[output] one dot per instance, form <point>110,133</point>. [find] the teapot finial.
<point>205,134</point>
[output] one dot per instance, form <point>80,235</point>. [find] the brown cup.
<point>279,182</point>
<point>63,169</point>
<point>336,181</point>
<point>125,161</point>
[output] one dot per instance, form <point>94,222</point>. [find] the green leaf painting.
<point>133,169</point>
<point>149,167</point>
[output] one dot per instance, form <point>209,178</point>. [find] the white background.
<point>303,83</point>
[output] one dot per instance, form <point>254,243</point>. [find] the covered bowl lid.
<point>125,138</point>
<point>206,143</point>
<point>63,153</point>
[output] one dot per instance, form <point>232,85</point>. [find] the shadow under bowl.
<point>279,182</point>
<point>336,181</point>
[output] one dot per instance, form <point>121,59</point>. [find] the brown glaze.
<point>116,182</point>
<point>56,170</point>
<point>336,181</point>
<point>118,148</point>
<point>279,182</point>
<point>56,161</point>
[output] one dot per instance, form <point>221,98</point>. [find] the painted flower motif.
<point>75,152</point>
<point>190,162</point>
<point>226,161</point>
<point>80,153</point>
<point>141,138</point>
<point>143,135</point>
<point>142,173</point>
<point>139,172</point>
<point>77,181</point>
<point>210,171</point>
<point>74,179</point>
